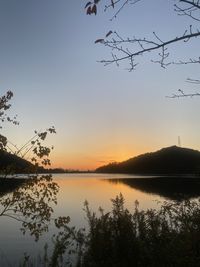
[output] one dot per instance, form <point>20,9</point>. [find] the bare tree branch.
<point>193,3</point>
<point>117,44</point>
<point>125,2</point>
<point>182,94</point>
<point>129,50</point>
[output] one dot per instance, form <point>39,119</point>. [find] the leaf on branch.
<point>88,4</point>
<point>99,41</point>
<point>89,11</point>
<point>109,33</point>
<point>112,3</point>
<point>94,9</point>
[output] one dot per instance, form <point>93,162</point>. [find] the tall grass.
<point>169,236</point>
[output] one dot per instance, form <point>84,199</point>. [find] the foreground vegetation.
<point>169,236</point>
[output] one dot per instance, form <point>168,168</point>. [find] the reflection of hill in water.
<point>175,188</point>
<point>8,185</point>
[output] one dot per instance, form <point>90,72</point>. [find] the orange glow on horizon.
<point>98,192</point>
<point>91,162</point>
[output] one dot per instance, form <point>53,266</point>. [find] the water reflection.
<point>8,186</point>
<point>33,203</point>
<point>172,188</point>
<point>30,203</point>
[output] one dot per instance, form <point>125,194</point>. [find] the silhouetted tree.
<point>130,49</point>
<point>28,200</point>
<point>39,152</point>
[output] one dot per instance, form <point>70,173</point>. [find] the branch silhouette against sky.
<point>130,49</point>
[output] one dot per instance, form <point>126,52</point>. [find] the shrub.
<point>168,236</point>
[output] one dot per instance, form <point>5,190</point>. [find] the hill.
<point>10,163</point>
<point>170,160</point>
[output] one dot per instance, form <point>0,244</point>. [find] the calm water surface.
<point>97,189</point>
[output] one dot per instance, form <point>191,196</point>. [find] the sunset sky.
<point>102,114</point>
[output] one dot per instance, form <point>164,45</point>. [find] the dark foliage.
<point>10,164</point>
<point>168,236</point>
<point>10,185</point>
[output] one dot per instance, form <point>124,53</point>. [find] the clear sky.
<point>49,60</point>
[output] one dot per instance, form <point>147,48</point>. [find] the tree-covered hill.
<point>170,160</point>
<point>10,163</point>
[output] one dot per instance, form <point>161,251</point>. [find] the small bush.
<point>169,236</point>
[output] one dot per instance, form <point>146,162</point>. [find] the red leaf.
<point>109,33</point>
<point>94,9</point>
<point>99,41</point>
<point>88,3</point>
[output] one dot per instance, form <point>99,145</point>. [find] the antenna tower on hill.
<point>179,141</point>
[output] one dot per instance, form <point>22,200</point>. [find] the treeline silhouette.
<point>170,160</point>
<point>10,163</point>
<point>13,164</point>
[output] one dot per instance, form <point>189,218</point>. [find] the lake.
<point>98,190</point>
